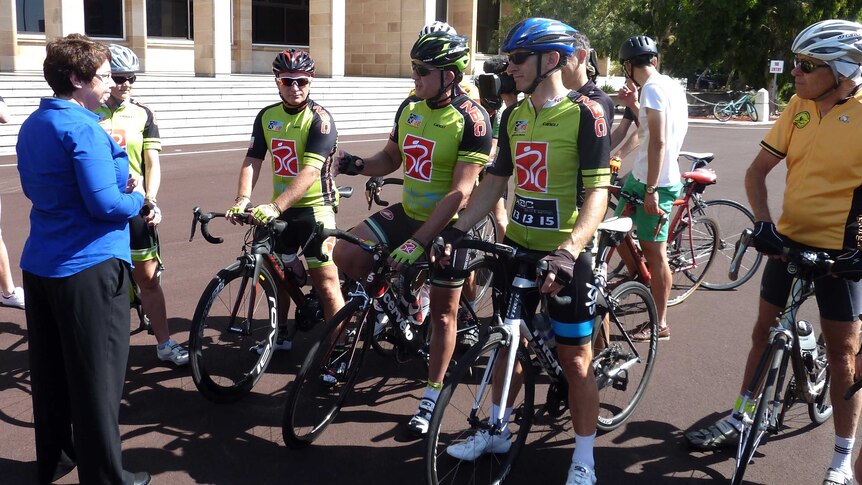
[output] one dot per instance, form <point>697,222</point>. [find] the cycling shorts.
<point>392,226</point>
<point>646,223</point>
<point>837,299</point>
<point>301,224</point>
<point>572,322</point>
<point>144,244</point>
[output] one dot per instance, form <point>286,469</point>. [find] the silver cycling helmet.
<point>437,26</point>
<point>123,59</point>
<point>835,42</point>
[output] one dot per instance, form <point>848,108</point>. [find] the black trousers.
<point>78,330</point>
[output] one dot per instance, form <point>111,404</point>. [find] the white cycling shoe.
<point>479,444</point>
<point>581,474</point>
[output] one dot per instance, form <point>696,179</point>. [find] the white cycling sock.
<point>584,450</point>
<point>841,458</point>
<point>432,391</point>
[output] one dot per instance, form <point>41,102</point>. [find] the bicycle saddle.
<point>702,176</point>
<point>616,224</point>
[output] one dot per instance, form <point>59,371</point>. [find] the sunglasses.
<point>421,70</point>
<point>807,66</point>
<point>519,58</point>
<point>120,79</point>
<point>297,81</point>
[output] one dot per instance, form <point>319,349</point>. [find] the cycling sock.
<point>750,407</point>
<point>507,415</point>
<point>841,458</point>
<point>495,413</point>
<point>432,390</point>
<point>584,450</point>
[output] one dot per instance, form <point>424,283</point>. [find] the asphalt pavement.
<point>171,431</point>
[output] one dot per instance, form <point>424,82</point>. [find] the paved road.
<point>171,431</point>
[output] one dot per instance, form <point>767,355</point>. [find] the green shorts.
<point>646,223</point>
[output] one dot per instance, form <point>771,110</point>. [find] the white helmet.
<point>437,26</point>
<point>123,59</point>
<point>836,42</point>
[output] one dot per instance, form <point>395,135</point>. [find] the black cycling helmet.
<point>637,45</point>
<point>442,49</point>
<point>293,61</point>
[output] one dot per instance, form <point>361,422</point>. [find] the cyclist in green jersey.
<point>133,126</point>
<point>547,141</point>
<point>300,137</point>
<point>441,141</point>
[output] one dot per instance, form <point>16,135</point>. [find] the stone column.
<point>462,16</point>
<point>212,38</point>
<point>243,57</point>
<point>63,17</point>
<point>326,19</point>
<point>136,29</point>
<point>8,35</point>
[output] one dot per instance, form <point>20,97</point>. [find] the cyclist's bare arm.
<point>589,216</point>
<point>248,175</point>
<point>463,181</point>
<point>755,184</point>
<point>655,156</point>
<point>482,201</point>
<point>297,189</point>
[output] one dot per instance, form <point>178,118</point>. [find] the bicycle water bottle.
<point>542,324</point>
<point>293,267</point>
<point>418,310</point>
<point>807,343</point>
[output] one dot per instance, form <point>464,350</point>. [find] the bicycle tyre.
<point>752,435</point>
<point>690,257</point>
<point>224,351</point>
<point>622,366</point>
<point>732,218</point>
<point>451,421</point>
<point>750,110</point>
<point>820,410</point>
<point>722,111</point>
<point>313,404</point>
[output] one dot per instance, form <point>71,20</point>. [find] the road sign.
<point>776,67</point>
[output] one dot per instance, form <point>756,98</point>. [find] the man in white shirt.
<point>663,122</point>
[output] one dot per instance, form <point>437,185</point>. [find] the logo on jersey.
<point>418,158</point>
<point>801,119</point>
<point>284,160</point>
<point>414,120</point>
<point>521,127</point>
<point>119,136</point>
<point>531,161</point>
<point>275,125</point>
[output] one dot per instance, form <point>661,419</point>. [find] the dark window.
<point>31,15</point>
<point>103,18</point>
<point>442,10</point>
<point>487,22</point>
<point>170,18</point>
<point>279,22</point>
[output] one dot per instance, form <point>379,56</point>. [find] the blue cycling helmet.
<point>541,35</point>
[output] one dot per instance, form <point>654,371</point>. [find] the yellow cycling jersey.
<point>823,197</point>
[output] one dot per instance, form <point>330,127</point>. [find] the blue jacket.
<point>75,176</point>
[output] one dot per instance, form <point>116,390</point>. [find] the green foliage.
<point>737,37</point>
<point>607,88</point>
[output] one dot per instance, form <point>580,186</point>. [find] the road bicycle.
<point>724,110</point>
<point>331,367</point>
<point>236,320</point>
<point>489,370</point>
<point>791,347</point>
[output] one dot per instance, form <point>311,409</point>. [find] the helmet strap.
<point>541,77</point>
<point>441,94</point>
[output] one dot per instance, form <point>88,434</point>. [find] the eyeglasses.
<point>297,81</point>
<point>103,77</point>
<point>122,78</point>
<point>519,58</point>
<point>421,70</point>
<point>807,66</point>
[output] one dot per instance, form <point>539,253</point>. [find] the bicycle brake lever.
<point>195,213</point>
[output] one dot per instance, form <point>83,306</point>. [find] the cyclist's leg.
<point>840,302</point>
<point>324,274</point>
<point>388,226</point>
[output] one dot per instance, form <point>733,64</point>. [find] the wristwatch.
<point>650,189</point>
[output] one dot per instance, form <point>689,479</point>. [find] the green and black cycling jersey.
<point>432,138</point>
<point>295,139</point>
<point>133,126</point>
<point>549,150</point>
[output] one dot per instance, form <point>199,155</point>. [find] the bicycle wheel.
<point>464,407</point>
<point>690,254</point>
<point>722,111</point>
<point>623,366</point>
<point>327,375</point>
<point>750,110</point>
<point>732,218</point>
<point>484,230</point>
<point>754,430</point>
<point>821,410</point>
<point>232,333</point>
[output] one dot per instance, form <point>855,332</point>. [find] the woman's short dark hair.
<point>74,54</point>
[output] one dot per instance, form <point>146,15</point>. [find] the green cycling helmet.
<point>442,49</point>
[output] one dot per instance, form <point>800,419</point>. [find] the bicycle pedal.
<point>621,381</point>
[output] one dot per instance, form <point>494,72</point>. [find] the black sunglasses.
<point>120,79</point>
<point>807,66</point>
<point>299,81</point>
<point>421,70</point>
<point>519,58</point>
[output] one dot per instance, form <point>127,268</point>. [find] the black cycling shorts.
<point>301,224</point>
<point>144,245</point>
